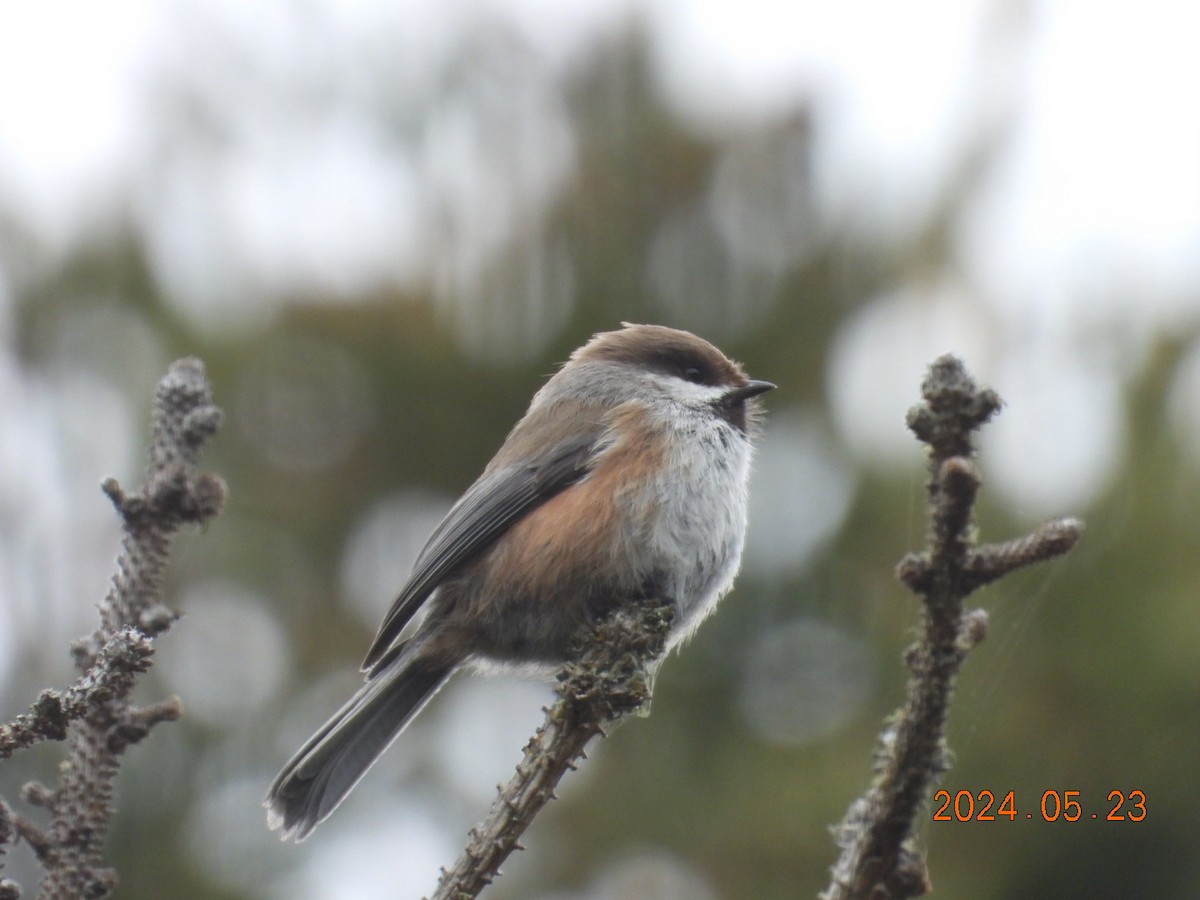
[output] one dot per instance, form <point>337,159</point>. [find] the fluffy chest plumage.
<point>697,541</point>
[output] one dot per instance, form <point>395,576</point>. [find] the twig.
<point>119,662</point>
<point>609,678</point>
<point>94,715</point>
<point>9,890</point>
<point>878,857</point>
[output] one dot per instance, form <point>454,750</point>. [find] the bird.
<point>626,479</point>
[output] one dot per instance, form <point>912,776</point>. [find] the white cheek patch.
<point>689,393</point>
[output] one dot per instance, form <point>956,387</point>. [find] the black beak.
<point>744,392</point>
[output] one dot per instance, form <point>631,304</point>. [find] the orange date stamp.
<point>1054,806</point>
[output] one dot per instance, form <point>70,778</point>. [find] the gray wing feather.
<point>489,508</point>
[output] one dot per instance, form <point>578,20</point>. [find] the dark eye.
<point>694,375</point>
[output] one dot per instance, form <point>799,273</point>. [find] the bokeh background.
<point>382,224</point>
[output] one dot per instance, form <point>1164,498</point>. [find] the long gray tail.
<point>325,769</point>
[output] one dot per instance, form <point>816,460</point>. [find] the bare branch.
<point>1048,540</point>
<point>94,714</point>
<point>609,677</point>
<point>126,655</point>
<point>9,890</point>
<point>878,857</point>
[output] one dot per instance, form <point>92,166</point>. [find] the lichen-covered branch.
<point>9,890</point>
<point>608,678</point>
<point>94,715</point>
<point>878,857</point>
<point>120,661</point>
